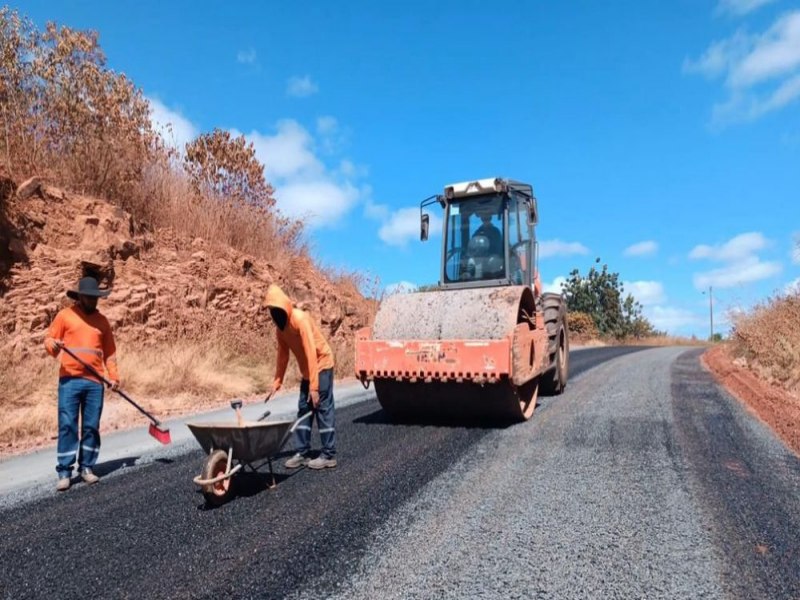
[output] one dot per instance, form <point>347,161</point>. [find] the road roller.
<point>485,341</point>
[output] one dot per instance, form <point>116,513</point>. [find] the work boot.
<point>298,460</point>
<point>322,462</point>
<point>89,477</point>
<point>63,484</point>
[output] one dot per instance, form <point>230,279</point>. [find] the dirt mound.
<point>164,286</point>
<point>778,408</point>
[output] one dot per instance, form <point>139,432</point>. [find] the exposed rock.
<point>28,188</point>
<point>183,287</point>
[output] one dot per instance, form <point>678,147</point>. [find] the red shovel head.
<point>160,432</point>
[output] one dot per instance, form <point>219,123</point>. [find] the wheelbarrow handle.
<point>297,422</point>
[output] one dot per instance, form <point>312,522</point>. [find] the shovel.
<point>156,429</point>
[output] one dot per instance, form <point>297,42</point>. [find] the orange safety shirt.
<point>88,336</point>
<point>302,336</point>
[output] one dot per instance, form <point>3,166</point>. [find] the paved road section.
<point>604,493</point>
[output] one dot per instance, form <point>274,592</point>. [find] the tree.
<point>65,114</point>
<point>222,166</point>
<point>600,295</point>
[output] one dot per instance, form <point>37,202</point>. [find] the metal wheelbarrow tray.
<point>245,443</point>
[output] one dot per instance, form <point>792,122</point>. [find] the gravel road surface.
<point>643,479</point>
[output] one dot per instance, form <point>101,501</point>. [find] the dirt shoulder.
<point>776,407</point>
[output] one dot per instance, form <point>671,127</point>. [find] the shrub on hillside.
<point>582,325</point>
<point>226,167</point>
<point>768,339</point>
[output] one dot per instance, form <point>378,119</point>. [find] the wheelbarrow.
<point>233,446</point>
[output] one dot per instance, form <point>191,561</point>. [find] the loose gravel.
<point>593,498</point>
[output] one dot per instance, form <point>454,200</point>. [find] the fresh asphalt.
<point>643,479</point>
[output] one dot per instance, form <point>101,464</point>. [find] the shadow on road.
<point>105,468</point>
<point>251,483</point>
<point>380,417</point>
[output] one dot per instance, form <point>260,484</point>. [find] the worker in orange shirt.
<point>297,331</point>
<point>83,330</point>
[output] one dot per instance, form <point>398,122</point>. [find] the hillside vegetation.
<point>767,340</point>
<point>188,240</point>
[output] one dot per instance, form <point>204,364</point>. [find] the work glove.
<point>115,385</point>
<point>56,345</point>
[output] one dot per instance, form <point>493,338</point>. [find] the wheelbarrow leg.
<point>272,475</point>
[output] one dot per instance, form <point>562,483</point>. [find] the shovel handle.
<point>94,372</point>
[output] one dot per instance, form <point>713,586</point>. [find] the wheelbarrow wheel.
<point>216,464</point>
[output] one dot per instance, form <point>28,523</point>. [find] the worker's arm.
<point>55,336</point>
<point>282,362</point>
<point>310,350</point>
<point>110,356</point>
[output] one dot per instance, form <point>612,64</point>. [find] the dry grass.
<point>663,340</point>
<point>169,380</point>
<point>657,340</point>
<point>197,369</point>
<point>28,397</point>
<point>167,200</point>
<point>767,339</point>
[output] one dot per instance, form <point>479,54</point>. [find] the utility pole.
<point>710,314</point>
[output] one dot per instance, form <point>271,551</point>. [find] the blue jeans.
<point>77,395</point>
<point>324,415</point>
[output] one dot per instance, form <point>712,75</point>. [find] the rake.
<point>157,430</point>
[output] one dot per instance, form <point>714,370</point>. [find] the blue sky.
<point>663,137</point>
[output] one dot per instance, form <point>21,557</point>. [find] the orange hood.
<point>276,298</point>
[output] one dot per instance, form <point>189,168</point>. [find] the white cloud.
<point>796,249</point>
<point>793,287</point>
<point>762,71</point>
<point>301,87</point>
<point>642,249</point>
<point>327,125</point>
<point>740,272</point>
<point>349,169</point>
<point>322,201</point>
<point>774,53</point>
<point>174,128</point>
<point>736,248</point>
<point>740,7</point>
<point>555,285</point>
<point>289,153</point>
<point>720,56</point>
<point>333,139</point>
<point>401,287</point>
<point>549,248</point>
<point>742,263</point>
<point>304,186</point>
<point>671,319</point>
<point>402,225</point>
<point>648,293</point>
<point>379,212</point>
<point>247,57</point>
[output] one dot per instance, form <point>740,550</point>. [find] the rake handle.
<point>94,372</point>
